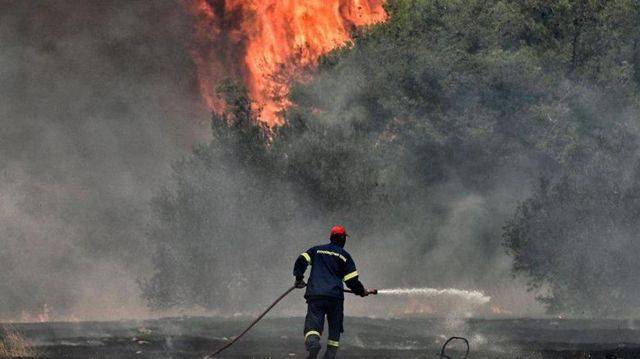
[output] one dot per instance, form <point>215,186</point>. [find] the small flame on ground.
<point>41,317</point>
<point>496,309</point>
<point>473,296</point>
<point>415,306</point>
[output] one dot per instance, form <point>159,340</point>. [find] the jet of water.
<point>472,296</point>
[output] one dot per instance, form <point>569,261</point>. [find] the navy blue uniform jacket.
<point>331,265</point>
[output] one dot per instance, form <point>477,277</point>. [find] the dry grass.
<point>13,345</point>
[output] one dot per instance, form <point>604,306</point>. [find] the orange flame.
<point>41,317</point>
<point>268,43</point>
<point>496,309</point>
<point>415,306</point>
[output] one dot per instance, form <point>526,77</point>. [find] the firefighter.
<point>330,266</point>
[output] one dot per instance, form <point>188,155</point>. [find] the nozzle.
<point>373,291</point>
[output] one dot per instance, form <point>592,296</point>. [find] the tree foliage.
<point>448,98</point>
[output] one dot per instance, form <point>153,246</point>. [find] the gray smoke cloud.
<point>230,225</point>
<point>97,99</point>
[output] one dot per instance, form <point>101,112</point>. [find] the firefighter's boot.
<point>331,352</point>
<point>312,342</point>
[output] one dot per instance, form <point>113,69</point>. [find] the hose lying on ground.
<point>443,356</point>
<point>252,323</point>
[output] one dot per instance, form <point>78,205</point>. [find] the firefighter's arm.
<point>356,286</point>
<point>351,279</point>
<point>300,267</point>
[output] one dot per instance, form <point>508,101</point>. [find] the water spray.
<point>473,296</point>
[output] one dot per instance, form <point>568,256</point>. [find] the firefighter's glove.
<point>300,284</point>
<point>368,292</point>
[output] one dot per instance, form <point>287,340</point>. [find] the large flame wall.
<point>268,43</point>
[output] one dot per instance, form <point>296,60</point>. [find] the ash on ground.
<point>194,337</point>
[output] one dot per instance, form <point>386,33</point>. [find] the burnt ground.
<point>364,338</point>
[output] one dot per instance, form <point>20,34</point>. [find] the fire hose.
<point>253,323</point>
<point>443,356</point>
<point>281,297</point>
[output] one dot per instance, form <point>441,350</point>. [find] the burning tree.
<point>269,44</point>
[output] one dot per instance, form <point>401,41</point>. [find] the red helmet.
<point>339,230</point>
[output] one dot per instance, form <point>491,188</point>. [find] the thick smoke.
<point>423,139</point>
<point>97,100</point>
<point>242,208</point>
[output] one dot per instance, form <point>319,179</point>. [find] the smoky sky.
<point>97,99</point>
